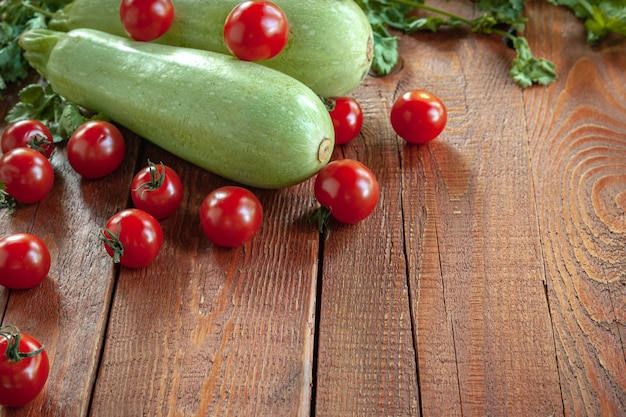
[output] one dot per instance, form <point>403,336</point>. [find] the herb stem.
<point>423,6</point>
<point>458,18</point>
<point>37,9</point>
<point>585,4</point>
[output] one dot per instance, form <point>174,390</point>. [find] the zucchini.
<point>243,121</point>
<point>330,41</point>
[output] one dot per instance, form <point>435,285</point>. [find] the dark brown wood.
<point>489,281</point>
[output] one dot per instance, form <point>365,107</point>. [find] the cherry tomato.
<point>27,175</point>
<point>24,367</point>
<point>418,116</point>
<point>347,117</point>
<point>24,261</point>
<point>230,216</point>
<point>146,20</point>
<point>29,132</point>
<point>132,237</point>
<point>96,149</point>
<point>256,30</point>
<point>158,190</point>
<point>348,189</point>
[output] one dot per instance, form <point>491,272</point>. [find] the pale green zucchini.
<point>329,49</point>
<point>240,120</point>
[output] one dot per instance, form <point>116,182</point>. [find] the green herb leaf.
<point>6,201</point>
<point>601,17</point>
<point>431,23</point>
<point>528,70</point>
<point>509,12</point>
<point>385,51</point>
<point>42,103</point>
<point>16,16</point>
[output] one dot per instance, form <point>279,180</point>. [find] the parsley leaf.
<point>16,16</point>
<point>601,17</point>
<point>42,103</point>
<point>526,69</point>
<point>509,12</point>
<point>6,201</point>
<point>385,50</point>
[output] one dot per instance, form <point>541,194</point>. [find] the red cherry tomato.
<point>256,30</point>
<point>29,132</point>
<point>96,149</point>
<point>24,261</point>
<point>347,118</point>
<point>230,216</point>
<point>133,238</point>
<point>418,116</point>
<point>146,20</point>
<point>158,190</point>
<point>27,175</point>
<point>24,367</point>
<point>348,189</point>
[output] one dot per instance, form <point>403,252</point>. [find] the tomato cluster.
<point>229,216</point>
<point>346,189</point>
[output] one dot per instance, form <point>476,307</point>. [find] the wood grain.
<point>484,281</point>
<point>488,282</point>
<point>68,311</point>
<point>578,151</point>
<point>212,331</point>
<point>366,359</point>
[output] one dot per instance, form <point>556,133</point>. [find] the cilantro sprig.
<point>17,16</point>
<point>601,17</point>
<point>526,69</point>
<point>39,101</point>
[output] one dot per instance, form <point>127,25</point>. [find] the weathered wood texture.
<point>577,137</point>
<point>488,282</point>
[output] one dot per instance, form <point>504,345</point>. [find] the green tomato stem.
<point>156,178</point>
<point>12,335</point>
<point>113,241</point>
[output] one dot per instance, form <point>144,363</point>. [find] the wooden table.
<point>490,281</point>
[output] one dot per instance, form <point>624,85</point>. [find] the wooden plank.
<point>212,331</point>
<point>68,311</point>
<point>366,359</point>
<point>578,129</point>
<point>485,344</point>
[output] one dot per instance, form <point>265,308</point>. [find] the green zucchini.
<point>330,41</point>
<point>243,121</point>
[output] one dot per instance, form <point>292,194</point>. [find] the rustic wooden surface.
<point>490,281</point>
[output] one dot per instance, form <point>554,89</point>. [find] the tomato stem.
<point>113,241</point>
<point>12,335</point>
<point>156,178</point>
<point>321,216</point>
<point>329,103</point>
<point>39,143</point>
<point>6,201</point>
